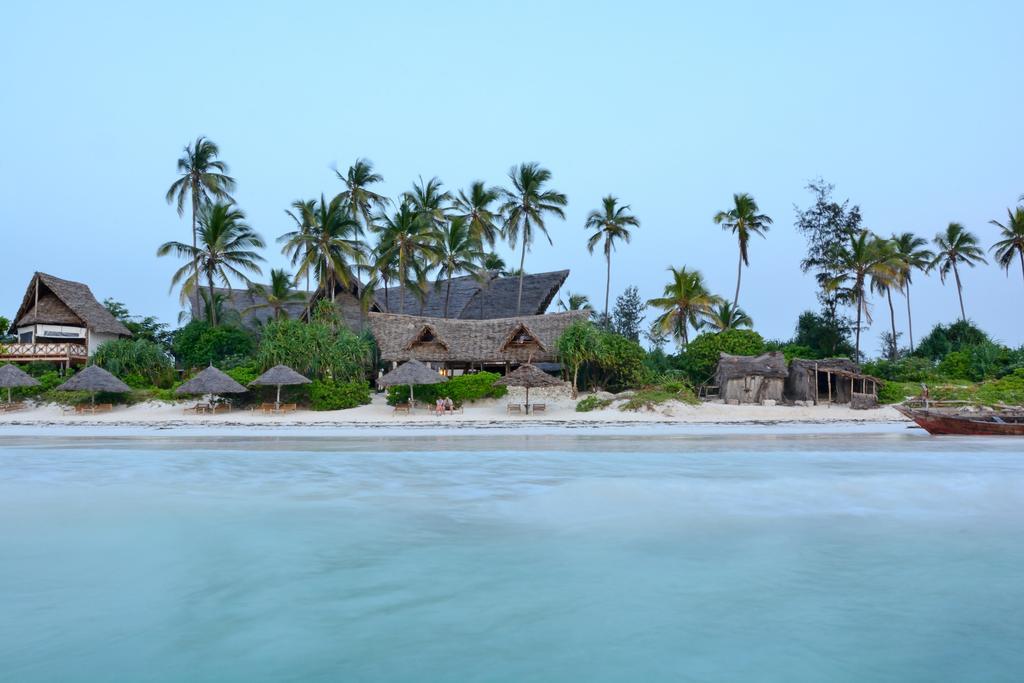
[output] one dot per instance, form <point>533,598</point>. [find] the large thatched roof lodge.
<point>470,298</point>
<point>495,344</point>
<point>59,321</point>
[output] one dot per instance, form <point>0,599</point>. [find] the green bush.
<point>326,394</point>
<point>48,380</point>
<point>897,392</point>
<point>460,389</point>
<point>700,358</point>
<point>956,365</point>
<point>318,350</point>
<point>244,374</point>
<point>909,369</point>
<point>619,363</point>
<point>592,403</point>
<point>944,339</point>
<point>199,344</point>
<point>649,397</point>
<point>139,362</point>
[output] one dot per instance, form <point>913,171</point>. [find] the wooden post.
<point>828,376</point>
<point>817,394</point>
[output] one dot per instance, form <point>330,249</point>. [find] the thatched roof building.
<point>471,343</point>
<point>831,380</point>
<point>60,321</point>
<point>751,379</point>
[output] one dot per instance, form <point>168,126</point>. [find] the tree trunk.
<point>212,302</point>
<point>739,274</point>
<point>860,305</point>
<point>387,304</point>
<point>401,282</point>
<point>1021,252</point>
<point>959,292</point>
<point>910,321</point>
<point>195,248</point>
<point>447,295</point>
<point>522,260</point>
<point>892,319</point>
<point>607,282</point>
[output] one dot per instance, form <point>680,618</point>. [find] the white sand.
<point>482,413</point>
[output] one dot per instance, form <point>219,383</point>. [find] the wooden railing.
<point>43,351</point>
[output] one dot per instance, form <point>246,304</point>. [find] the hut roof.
<point>470,341</point>
<point>473,298</point>
<point>771,364</point>
<point>210,381</point>
<point>280,375</point>
<point>63,302</point>
<point>12,377</point>
<point>528,376</point>
<point>94,378</point>
<point>412,372</point>
<point>844,364</point>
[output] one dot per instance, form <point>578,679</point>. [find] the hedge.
<point>326,394</point>
<point>460,389</point>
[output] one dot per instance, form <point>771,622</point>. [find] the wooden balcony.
<point>54,352</point>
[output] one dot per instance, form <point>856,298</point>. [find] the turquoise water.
<point>751,557</point>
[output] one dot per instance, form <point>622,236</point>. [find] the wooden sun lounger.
<point>11,407</point>
<point>266,408</point>
<point>402,408</point>
<point>288,408</point>
<point>539,408</point>
<point>221,408</point>
<point>98,408</point>
<point>515,408</point>
<point>198,408</point>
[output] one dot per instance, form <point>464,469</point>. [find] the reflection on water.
<point>884,557</point>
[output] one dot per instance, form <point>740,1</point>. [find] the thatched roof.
<point>470,341</point>
<point>94,378</point>
<point>12,377</point>
<point>63,302</point>
<point>771,364</point>
<point>281,376</point>
<point>528,376</point>
<point>412,372</point>
<point>210,381</point>
<point>473,298</point>
<point>844,364</point>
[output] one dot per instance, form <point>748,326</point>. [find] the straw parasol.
<point>94,379</point>
<point>412,372</point>
<point>210,381</point>
<point>529,376</point>
<point>280,376</point>
<point>12,377</point>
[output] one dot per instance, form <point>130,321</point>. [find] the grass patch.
<point>649,397</point>
<point>592,403</point>
<point>1007,390</point>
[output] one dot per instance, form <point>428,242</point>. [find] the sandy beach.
<point>560,412</point>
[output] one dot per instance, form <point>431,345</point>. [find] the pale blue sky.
<point>913,111</point>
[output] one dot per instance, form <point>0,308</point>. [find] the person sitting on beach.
<point>439,406</point>
<point>449,406</point>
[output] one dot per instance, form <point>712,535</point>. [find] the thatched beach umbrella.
<point>280,376</point>
<point>412,373</point>
<point>94,379</point>
<point>13,377</point>
<point>529,376</point>
<point>210,381</point>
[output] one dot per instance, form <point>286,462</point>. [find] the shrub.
<point>619,362</point>
<point>701,355</point>
<point>649,397</point>
<point>199,344</point>
<point>319,350</point>
<point>944,339</point>
<point>592,403</point>
<point>909,369</point>
<point>956,365</point>
<point>139,362</point>
<point>460,389</point>
<point>47,382</point>
<point>327,394</point>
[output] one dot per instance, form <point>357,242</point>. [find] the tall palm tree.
<point>685,302</point>
<point>294,248</point>
<point>724,316</point>
<point>956,246</point>
<point>225,248</point>
<point>884,279</point>
<point>911,255</point>
<point>610,223</point>
<point>202,177</point>
<point>277,295</point>
<point>328,246</point>
<point>475,207</point>
<point>524,209</point>
<point>1012,242</point>
<point>456,251</point>
<point>357,194</point>
<point>429,200</point>
<point>865,256</point>
<point>407,239</point>
<point>743,220</point>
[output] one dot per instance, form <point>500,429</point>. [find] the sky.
<point>912,110</point>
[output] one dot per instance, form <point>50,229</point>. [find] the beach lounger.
<point>221,408</point>
<point>288,407</point>
<point>539,407</point>
<point>402,408</point>
<point>11,407</point>
<point>266,408</point>
<point>515,408</point>
<point>198,408</point>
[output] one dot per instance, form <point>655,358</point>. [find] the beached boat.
<point>940,421</point>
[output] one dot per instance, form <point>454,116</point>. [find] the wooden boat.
<point>974,423</point>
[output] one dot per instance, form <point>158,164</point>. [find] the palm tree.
<point>575,302</point>
<point>865,257</point>
<point>1012,242</point>
<point>724,316</point>
<point>882,281</point>
<point>277,295</point>
<point>910,255</point>
<point>328,246</point>
<point>202,177</point>
<point>610,223</point>
<point>297,248</point>
<point>456,251</point>
<point>494,263</point>
<point>686,300</point>
<point>226,244</point>
<point>429,201</point>
<point>743,220</point>
<point>357,193</point>
<point>956,246</point>
<point>475,207</point>
<point>524,209</point>
<point>407,240</point>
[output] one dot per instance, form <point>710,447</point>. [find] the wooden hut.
<point>450,343</point>
<point>831,380</point>
<point>751,379</point>
<point>60,321</point>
